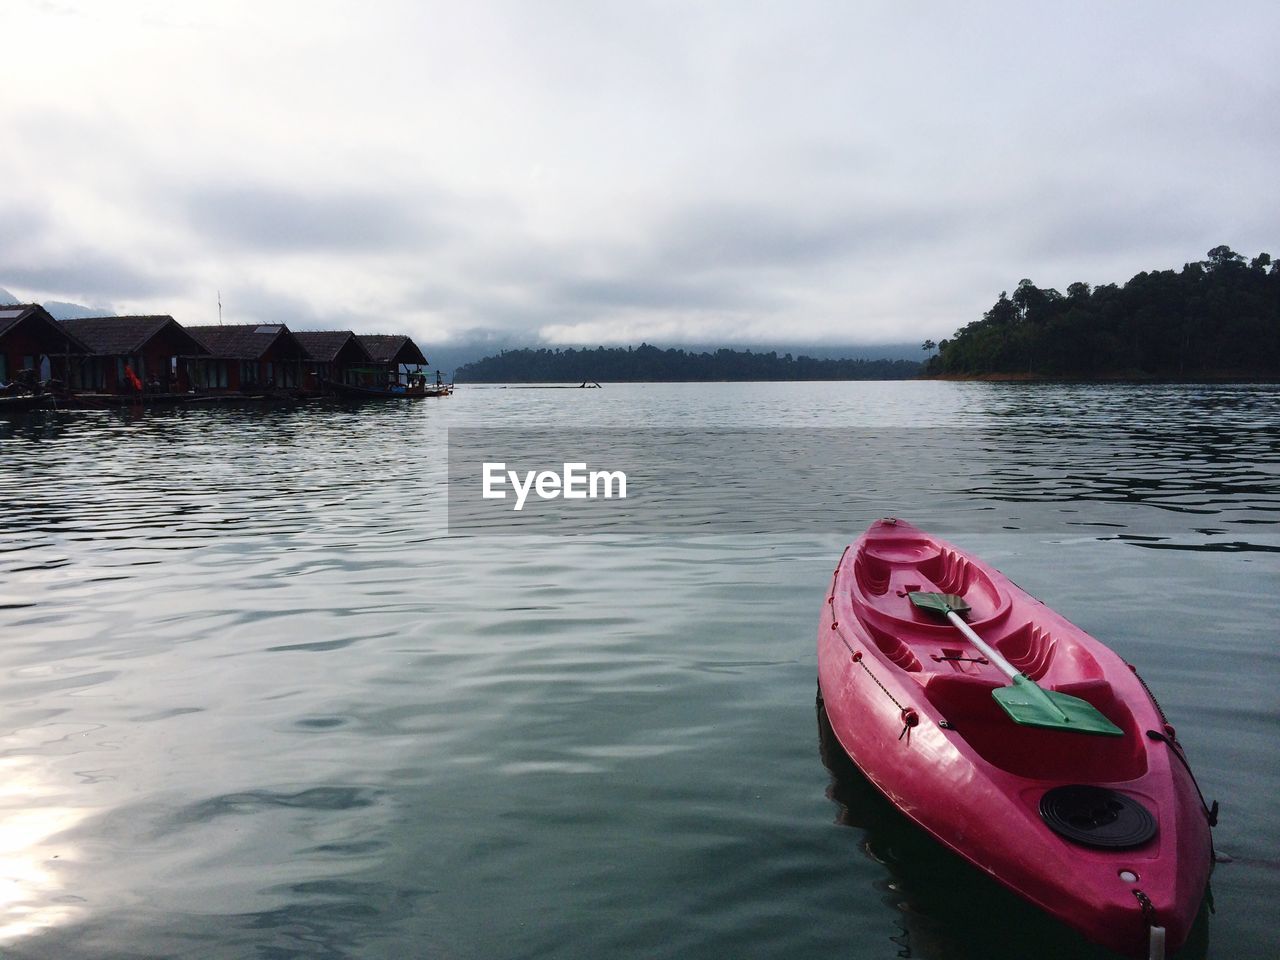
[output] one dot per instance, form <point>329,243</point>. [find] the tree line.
<point>1218,317</point>
<point>647,363</point>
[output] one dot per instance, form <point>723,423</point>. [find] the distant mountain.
<point>70,311</point>
<point>57,308</point>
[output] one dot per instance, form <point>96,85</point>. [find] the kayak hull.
<point>909,700</point>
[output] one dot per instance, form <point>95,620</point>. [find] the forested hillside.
<point>1218,317</point>
<point>647,363</point>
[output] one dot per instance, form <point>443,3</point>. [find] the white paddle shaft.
<point>1007,668</point>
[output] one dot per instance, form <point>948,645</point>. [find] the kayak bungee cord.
<point>1210,812</point>
<point>909,717</point>
<point>1154,702</point>
<point>1170,738</point>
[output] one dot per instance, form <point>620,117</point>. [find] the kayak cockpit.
<point>958,679</point>
<point>884,573</point>
<point>887,571</point>
<point>966,704</point>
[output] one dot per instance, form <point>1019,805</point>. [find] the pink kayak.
<point>1104,829</point>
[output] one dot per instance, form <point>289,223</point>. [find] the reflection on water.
<point>31,897</point>
<point>256,701</point>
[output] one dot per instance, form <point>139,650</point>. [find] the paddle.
<point>1023,700</point>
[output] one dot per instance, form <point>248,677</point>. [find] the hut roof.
<point>119,336</point>
<point>391,349</point>
<point>324,346</point>
<point>47,331</point>
<point>245,341</point>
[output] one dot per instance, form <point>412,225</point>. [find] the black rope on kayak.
<point>857,658</point>
<point>1169,737</point>
<point>1154,701</point>
<point>1210,812</point>
<point>1148,908</point>
<point>909,717</point>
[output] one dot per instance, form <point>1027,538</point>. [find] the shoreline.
<point>1116,378</point>
<point>950,377</point>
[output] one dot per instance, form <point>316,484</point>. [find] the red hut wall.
<point>21,350</point>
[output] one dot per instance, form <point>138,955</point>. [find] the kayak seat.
<point>902,550</point>
<point>1095,690</point>
<point>960,694</point>
<point>1034,752</point>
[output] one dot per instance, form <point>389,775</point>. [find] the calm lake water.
<point>257,701</point>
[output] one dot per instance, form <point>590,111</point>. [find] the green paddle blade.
<point>942,603</point>
<point>1027,703</point>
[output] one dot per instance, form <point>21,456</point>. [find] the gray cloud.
<point>91,276</point>
<point>844,173</point>
<point>757,237</point>
<point>21,226</point>
<point>254,303</point>
<point>653,289</point>
<point>279,220</point>
<point>34,257</point>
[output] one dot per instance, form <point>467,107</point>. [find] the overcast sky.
<point>611,172</point>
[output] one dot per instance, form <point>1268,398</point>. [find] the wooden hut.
<point>335,356</point>
<point>126,352</point>
<point>34,347</point>
<point>248,358</point>
<point>397,357</point>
